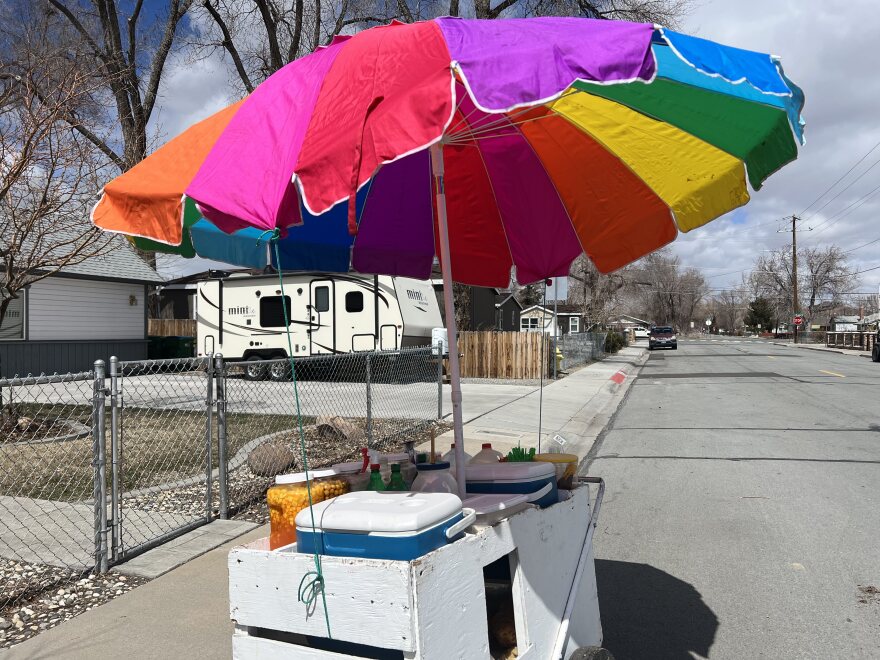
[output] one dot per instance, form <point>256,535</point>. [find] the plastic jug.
<point>434,478</point>
<point>486,455</point>
<point>449,457</point>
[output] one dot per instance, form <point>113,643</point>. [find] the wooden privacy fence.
<point>860,341</point>
<point>171,327</point>
<point>515,355</point>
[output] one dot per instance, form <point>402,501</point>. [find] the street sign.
<point>798,320</point>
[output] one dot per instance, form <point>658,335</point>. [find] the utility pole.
<point>794,274</point>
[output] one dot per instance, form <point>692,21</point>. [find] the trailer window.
<point>322,298</point>
<point>354,301</point>
<point>272,311</point>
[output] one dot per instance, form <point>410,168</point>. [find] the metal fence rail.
<point>48,478</point>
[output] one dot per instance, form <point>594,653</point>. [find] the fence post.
<point>99,402</point>
<point>115,409</point>
<point>220,379</point>
<point>439,380</point>
<point>209,432</point>
<point>369,405</point>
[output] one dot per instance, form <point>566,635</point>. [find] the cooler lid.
<point>368,511</point>
<point>509,472</point>
<point>483,504</point>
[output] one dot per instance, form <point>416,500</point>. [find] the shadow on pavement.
<point>647,613</point>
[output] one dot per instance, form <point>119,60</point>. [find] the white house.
<point>89,311</point>
<point>570,319</point>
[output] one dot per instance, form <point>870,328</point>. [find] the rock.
<point>271,458</point>
<point>4,624</point>
<point>338,429</point>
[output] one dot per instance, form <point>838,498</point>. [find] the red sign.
<point>798,320</point>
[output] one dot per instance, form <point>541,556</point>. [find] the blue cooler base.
<point>374,545</point>
<point>518,488</point>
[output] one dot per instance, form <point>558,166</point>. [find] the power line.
<point>845,174</point>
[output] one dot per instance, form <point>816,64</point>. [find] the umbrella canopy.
<point>559,135</point>
<point>502,147</point>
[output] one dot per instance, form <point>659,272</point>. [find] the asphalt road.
<point>742,516</point>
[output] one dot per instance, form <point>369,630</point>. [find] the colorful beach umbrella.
<point>502,147</point>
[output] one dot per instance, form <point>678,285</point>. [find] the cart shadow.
<point>648,613</point>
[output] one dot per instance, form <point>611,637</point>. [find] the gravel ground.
<point>64,594</point>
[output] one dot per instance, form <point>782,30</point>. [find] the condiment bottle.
<point>376,481</point>
<point>396,482</point>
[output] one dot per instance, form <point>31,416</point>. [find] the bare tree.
<point>598,295</point>
<point>729,309</point>
<point>48,172</point>
<point>670,294</point>
<point>823,276</point>
<point>125,55</point>
<point>261,36</point>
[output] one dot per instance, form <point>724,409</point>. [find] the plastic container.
<point>377,483</point>
<point>407,469</point>
<point>449,457</point>
<point>396,483</point>
<point>566,467</point>
<point>396,526</point>
<point>351,472</point>
<point>535,480</point>
<point>434,478</point>
<point>492,509</point>
<point>486,455</point>
<point>289,496</point>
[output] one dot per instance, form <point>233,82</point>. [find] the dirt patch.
<point>868,595</point>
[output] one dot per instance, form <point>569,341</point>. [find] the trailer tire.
<point>875,354</point>
<point>591,653</point>
<point>253,371</point>
<point>279,372</point>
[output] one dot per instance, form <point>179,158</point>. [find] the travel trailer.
<point>242,316</point>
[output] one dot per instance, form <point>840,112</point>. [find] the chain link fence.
<point>97,467</point>
<point>580,348</point>
<point>347,401</point>
<point>48,482</point>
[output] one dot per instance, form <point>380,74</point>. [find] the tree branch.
<point>230,46</point>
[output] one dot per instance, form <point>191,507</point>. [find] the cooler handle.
<point>454,530</point>
<point>538,494</point>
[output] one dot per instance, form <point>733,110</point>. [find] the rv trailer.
<point>242,316</point>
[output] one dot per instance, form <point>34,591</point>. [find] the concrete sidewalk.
<point>573,407</point>
<point>827,349</point>
<point>185,613</point>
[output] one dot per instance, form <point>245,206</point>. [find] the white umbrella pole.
<point>449,306</point>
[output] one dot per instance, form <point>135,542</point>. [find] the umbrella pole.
<point>449,306</point>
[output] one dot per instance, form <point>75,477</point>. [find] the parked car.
<point>662,336</point>
<point>641,333</point>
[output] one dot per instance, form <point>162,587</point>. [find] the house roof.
<point>120,262</point>
<point>634,319</point>
<point>503,302</point>
<point>566,309</point>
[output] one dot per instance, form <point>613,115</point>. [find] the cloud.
<point>826,48</point>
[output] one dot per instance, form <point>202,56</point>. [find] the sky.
<point>827,47</point>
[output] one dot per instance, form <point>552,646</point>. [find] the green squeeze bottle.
<point>396,482</point>
<point>376,482</point>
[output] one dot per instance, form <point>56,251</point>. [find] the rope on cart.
<point>312,582</point>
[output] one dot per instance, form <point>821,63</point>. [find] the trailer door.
<point>322,317</point>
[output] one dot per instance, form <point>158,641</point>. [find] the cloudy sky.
<point>827,47</point>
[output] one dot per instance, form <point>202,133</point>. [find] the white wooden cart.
<point>434,607</point>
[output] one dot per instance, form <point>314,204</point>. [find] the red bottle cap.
<point>375,467</point>
<point>487,445</point>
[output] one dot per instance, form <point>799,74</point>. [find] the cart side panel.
<point>549,544</point>
<point>364,596</point>
<point>585,628</point>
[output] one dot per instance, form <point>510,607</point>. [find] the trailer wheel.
<point>591,653</point>
<point>280,371</point>
<point>254,369</point>
<point>875,354</point>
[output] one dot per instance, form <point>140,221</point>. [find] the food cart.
<point>535,566</point>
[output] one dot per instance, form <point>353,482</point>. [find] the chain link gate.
<point>163,451</point>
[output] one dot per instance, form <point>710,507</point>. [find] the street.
<point>742,516</point>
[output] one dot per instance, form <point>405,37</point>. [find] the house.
<point>86,312</point>
<point>571,319</point>
<point>486,308</point>
<point>844,323</point>
<point>628,322</point>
